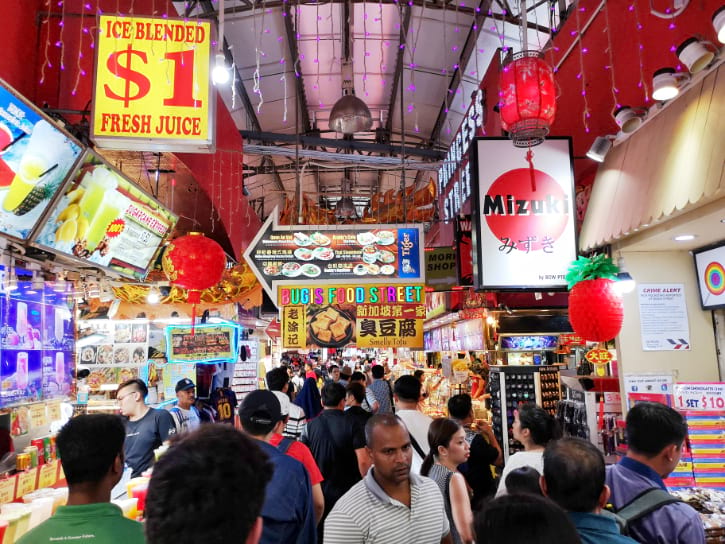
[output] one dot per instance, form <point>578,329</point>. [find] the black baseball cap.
<point>261,407</point>
<point>184,384</point>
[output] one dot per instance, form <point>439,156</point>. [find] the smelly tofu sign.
<point>152,86</point>
<point>524,235</point>
<point>364,315</point>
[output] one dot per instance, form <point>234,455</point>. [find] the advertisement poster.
<point>217,343</point>
<point>20,375</point>
<point>700,396</point>
<point>105,219</point>
<point>710,265</point>
<point>365,316</point>
<point>441,270</point>
<point>523,214</point>
<point>647,384</point>
<point>663,317</point>
<point>152,88</point>
<point>464,250</point>
<point>35,157</point>
<point>173,373</point>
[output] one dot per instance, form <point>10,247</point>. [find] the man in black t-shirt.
<point>484,453</point>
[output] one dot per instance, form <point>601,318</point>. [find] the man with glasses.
<point>146,429</point>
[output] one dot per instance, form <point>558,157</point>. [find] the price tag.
<point>700,396</point>
<point>53,411</point>
<point>26,482</point>
<point>7,489</point>
<point>37,415</point>
<point>48,475</point>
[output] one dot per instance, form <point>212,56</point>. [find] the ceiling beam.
<point>299,84</point>
<point>268,4</point>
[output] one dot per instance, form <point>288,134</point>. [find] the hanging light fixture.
<point>718,22</point>
<point>666,84</point>
<point>625,282</point>
<point>345,208</point>
<point>220,72</point>
<point>628,119</point>
<point>600,147</point>
<point>693,54</point>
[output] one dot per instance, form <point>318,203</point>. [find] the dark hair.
<point>652,426</point>
<point>417,374</point>
<point>332,394</point>
<point>331,368</point>
<point>277,378</point>
<point>460,406</point>
<point>524,519</point>
<point>407,388</point>
<point>179,506</point>
<point>378,372</point>
<point>523,480</point>
<point>358,376</point>
<point>138,383</point>
<point>386,420</point>
<point>89,444</point>
<point>357,390</point>
<point>440,433</point>
<point>540,423</point>
<point>574,474</point>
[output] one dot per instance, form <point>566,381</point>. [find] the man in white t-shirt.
<point>407,395</point>
<point>185,415</point>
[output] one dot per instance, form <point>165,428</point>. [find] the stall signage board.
<point>647,384</point>
<point>360,254</point>
<point>7,489</point>
<point>48,475</point>
<point>37,415</point>
<point>440,268</point>
<point>663,317</point>
<point>524,235</point>
<point>363,315</point>
<point>700,396</point>
<point>152,86</point>
<point>208,343</point>
<point>26,482</point>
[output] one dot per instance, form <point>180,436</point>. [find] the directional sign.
<point>351,254</point>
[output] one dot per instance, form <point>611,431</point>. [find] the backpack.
<point>284,444</point>
<point>640,506</point>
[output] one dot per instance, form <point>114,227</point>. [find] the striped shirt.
<point>383,394</point>
<point>296,422</point>
<point>367,515</point>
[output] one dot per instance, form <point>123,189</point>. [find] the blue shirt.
<point>287,513</point>
<point>383,394</point>
<point>676,523</point>
<point>597,529</point>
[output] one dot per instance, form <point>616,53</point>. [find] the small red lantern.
<point>194,262</point>
<point>528,98</point>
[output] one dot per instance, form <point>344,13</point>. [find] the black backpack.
<point>640,506</point>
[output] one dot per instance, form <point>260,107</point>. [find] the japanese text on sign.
<point>700,396</point>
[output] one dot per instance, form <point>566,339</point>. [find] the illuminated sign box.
<point>210,343</point>
<point>152,89</point>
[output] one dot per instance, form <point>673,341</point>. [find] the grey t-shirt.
<point>144,436</point>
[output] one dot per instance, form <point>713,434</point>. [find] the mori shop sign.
<point>152,87</point>
<point>524,235</point>
<point>440,268</point>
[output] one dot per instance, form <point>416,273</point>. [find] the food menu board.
<point>35,158</point>
<point>104,219</point>
<point>208,343</point>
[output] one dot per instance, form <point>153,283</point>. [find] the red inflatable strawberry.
<point>595,309</point>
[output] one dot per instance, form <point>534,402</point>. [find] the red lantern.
<point>194,262</point>
<point>528,98</point>
<point>596,312</point>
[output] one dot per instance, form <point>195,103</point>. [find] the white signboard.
<point>700,396</point>
<point>659,384</point>
<point>663,317</point>
<point>524,214</point>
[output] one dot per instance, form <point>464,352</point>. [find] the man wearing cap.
<point>186,416</point>
<point>288,513</point>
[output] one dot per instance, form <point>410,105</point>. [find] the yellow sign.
<point>293,327</point>
<point>7,489</point>
<point>152,88</point>
<point>598,356</point>
<point>48,475</point>
<point>26,482</point>
<point>37,415</point>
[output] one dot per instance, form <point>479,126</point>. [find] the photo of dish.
<point>88,354</point>
<point>385,256</point>
<point>323,253</point>
<point>311,270</point>
<point>372,268</point>
<point>102,375</point>
<point>291,270</point>
<point>122,333</point>
<point>360,270</point>
<point>120,356</point>
<point>104,355</point>
<point>331,327</point>
<point>366,238</point>
<point>138,333</point>
<point>304,254</point>
<point>387,269</point>
<point>386,237</point>
<point>301,239</point>
<point>125,374</point>
<point>273,269</point>
<point>320,239</point>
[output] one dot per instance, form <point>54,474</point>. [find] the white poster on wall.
<point>524,214</point>
<point>663,317</point>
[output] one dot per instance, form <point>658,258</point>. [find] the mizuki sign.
<point>524,217</point>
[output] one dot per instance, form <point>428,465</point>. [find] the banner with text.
<point>700,396</point>
<point>152,88</point>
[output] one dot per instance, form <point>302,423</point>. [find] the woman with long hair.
<point>534,427</point>
<point>448,449</point>
<point>309,398</point>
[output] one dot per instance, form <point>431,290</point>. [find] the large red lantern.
<point>528,98</point>
<point>195,263</point>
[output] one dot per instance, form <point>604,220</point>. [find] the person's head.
<point>185,390</point>
<point>574,475</point>
<point>92,450</point>
<point>308,366</point>
<point>460,407</point>
<point>523,480</point>
<point>378,372</point>
<point>345,373</point>
<point>655,434</point>
<point>533,426</point>
<point>447,444</point>
<point>524,519</point>
<point>389,448</point>
<point>259,413</point>
<point>277,379</point>
<point>333,395</point>
<point>355,394</point>
<point>284,408</point>
<point>131,396</point>
<point>407,389</point>
<point>334,372</point>
<point>419,375</point>
<point>179,504</point>
<point>358,377</point>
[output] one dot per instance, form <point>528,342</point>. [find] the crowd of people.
<point>356,461</point>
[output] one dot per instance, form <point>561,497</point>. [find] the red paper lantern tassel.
<point>193,298</point>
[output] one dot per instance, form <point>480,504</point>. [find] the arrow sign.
<point>324,254</point>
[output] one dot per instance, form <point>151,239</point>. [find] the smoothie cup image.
<point>21,320</point>
<point>59,368</point>
<point>96,184</point>
<point>21,372</point>
<point>112,207</point>
<point>58,326</point>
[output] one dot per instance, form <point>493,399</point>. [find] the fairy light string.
<point>582,73</point>
<point>642,83</point>
<point>610,68</point>
<point>46,61</point>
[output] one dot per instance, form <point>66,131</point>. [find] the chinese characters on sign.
<point>293,327</point>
